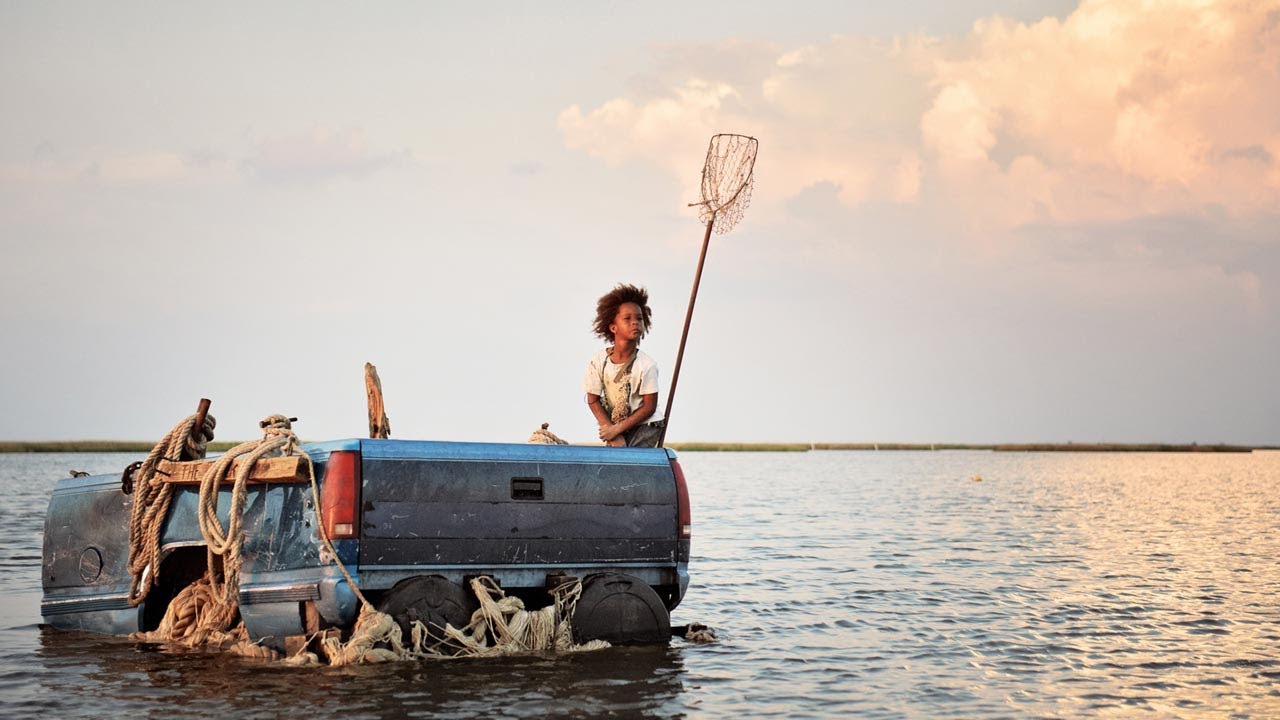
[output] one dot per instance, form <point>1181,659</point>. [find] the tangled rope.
<point>512,629</point>
<point>543,436</point>
<point>205,611</point>
<point>197,617</point>
<point>699,634</point>
<point>501,626</point>
<point>151,500</point>
<point>277,440</point>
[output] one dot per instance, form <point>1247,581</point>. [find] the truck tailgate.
<point>494,505</point>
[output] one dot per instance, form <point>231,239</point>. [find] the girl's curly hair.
<point>607,308</point>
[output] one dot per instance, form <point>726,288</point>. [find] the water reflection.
<point>1061,585</point>
<point>82,674</point>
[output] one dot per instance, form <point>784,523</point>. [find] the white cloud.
<point>1122,109</point>
<point>959,126</point>
<point>116,168</point>
<point>318,154</point>
<point>622,129</point>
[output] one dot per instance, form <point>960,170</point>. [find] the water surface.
<point>885,584</point>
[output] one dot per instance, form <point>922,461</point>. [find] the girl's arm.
<point>597,410</point>
<point>602,419</point>
<point>648,405</point>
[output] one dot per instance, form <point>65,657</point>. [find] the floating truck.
<point>413,522</point>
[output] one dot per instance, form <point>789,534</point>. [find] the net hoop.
<point>728,177</point>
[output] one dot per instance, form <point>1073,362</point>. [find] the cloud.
<point>1123,109</point>
<point>622,129</point>
<point>527,168</point>
<point>116,168</point>
<point>319,154</point>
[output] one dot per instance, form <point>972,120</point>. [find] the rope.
<point>151,500</point>
<point>616,397</point>
<point>226,543</point>
<point>513,629</point>
<point>699,633</point>
<point>203,613</point>
<point>197,617</point>
<point>543,436</point>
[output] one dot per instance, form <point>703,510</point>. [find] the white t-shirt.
<point>643,379</point>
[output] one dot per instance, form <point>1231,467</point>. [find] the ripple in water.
<point>841,583</point>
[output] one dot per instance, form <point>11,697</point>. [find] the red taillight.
<point>682,502</point>
<point>340,495</point>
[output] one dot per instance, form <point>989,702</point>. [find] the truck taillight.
<point>340,494</point>
<point>682,502</point>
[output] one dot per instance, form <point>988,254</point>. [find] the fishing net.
<point>727,179</point>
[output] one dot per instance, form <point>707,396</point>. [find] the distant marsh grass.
<point>96,446</point>
<point>24,446</point>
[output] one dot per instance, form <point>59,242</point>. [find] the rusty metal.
<point>197,430</point>
<point>126,477</point>
<point>202,411</point>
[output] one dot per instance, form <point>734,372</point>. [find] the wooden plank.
<point>267,470</point>
<point>295,644</point>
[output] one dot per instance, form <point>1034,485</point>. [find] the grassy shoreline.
<point>37,446</point>
<point>22,446</point>
<point>997,447</point>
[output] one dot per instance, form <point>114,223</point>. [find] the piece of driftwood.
<point>267,470</point>
<point>379,425</point>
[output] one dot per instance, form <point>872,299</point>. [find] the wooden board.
<point>267,470</point>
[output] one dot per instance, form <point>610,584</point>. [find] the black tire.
<point>430,599</point>
<point>621,609</point>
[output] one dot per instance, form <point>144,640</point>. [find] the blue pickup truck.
<point>412,521</point>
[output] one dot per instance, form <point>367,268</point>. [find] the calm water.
<point>870,584</point>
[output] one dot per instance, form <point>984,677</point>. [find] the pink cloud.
<point>1122,109</point>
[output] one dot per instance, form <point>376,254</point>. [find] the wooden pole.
<point>379,425</point>
<point>684,334</point>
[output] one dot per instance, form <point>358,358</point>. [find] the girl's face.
<point>628,324</point>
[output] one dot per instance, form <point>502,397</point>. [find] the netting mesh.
<point>727,179</point>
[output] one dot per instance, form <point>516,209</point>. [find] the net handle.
<point>684,334</point>
<point>702,257</point>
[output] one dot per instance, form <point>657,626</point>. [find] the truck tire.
<point>621,609</point>
<point>430,599</point>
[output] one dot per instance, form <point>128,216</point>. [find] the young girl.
<point>621,382</point>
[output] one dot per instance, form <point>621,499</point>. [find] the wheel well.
<point>180,567</point>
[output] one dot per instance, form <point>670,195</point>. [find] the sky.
<point>972,221</point>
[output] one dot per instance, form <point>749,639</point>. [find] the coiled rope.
<point>151,500</point>
<point>202,613</point>
<point>226,544</point>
